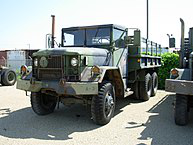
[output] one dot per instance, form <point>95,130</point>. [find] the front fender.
<point>88,75</point>
<point>114,75</point>
<point>105,69</point>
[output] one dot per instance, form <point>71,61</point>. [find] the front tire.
<point>181,110</point>
<point>43,104</point>
<point>145,88</point>
<point>103,105</point>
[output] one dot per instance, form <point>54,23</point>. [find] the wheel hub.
<point>109,103</point>
<point>10,77</point>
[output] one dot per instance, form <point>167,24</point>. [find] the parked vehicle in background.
<point>94,65</point>
<point>15,59</point>
<point>7,76</point>
<point>181,81</point>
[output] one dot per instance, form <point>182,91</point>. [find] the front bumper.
<point>179,86</point>
<point>69,88</point>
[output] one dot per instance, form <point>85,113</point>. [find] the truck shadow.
<point>59,125</point>
<point>24,123</point>
<point>3,86</point>
<point>122,102</point>
<point>161,128</point>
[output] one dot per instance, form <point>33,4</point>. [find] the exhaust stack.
<point>182,43</point>
<point>53,30</point>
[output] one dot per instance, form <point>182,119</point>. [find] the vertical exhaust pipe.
<point>182,43</point>
<point>53,30</point>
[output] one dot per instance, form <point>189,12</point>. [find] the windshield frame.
<point>86,28</point>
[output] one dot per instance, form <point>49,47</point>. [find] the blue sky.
<point>26,22</point>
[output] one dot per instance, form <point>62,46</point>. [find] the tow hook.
<point>62,82</point>
<point>32,81</point>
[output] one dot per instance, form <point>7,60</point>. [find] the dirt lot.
<point>135,122</point>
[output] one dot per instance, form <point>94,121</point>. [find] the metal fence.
<point>152,48</point>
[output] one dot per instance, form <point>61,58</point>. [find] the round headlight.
<point>74,61</point>
<point>35,62</point>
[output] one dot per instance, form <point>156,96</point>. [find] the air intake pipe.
<point>182,44</point>
<point>53,30</point>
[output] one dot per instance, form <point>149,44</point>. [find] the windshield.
<point>100,36</point>
<point>73,38</point>
<point>86,37</point>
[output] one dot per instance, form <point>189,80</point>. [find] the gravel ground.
<point>135,123</point>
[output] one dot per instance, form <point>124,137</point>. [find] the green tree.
<point>169,61</point>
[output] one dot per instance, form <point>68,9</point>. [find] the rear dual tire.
<point>154,84</point>
<point>145,88</point>
<point>148,87</point>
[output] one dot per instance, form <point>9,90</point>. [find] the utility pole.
<point>147,37</point>
<point>28,46</point>
<point>147,19</point>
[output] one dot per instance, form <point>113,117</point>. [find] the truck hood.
<point>72,51</point>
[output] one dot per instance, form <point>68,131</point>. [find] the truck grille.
<point>50,74</point>
<point>56,69</point>
<point>55,62</point>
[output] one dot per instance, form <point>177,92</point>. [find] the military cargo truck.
<point>181,81</point>
<point>94,65</point>
<point>7,76</point>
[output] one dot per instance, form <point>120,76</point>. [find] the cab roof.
<point>97,26</point>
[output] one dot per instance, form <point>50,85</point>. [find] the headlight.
<point>95,69</point>
<point>35,62</point>
<point>174,73</point>
<point>74,61</point>
<point>24,69</point>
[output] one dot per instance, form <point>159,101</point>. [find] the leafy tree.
<point>169,61</point>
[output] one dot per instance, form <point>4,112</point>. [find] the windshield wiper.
<point>97,31</point>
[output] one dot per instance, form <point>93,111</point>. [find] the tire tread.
<point>37,106</point>
<point>97,105</point>
<point>181,110</point>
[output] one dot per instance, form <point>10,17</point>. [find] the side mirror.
<point>48,40</point>
<point>172,42</point>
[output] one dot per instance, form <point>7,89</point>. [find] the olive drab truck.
<point>93,65</point>
<point>180,81</point>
